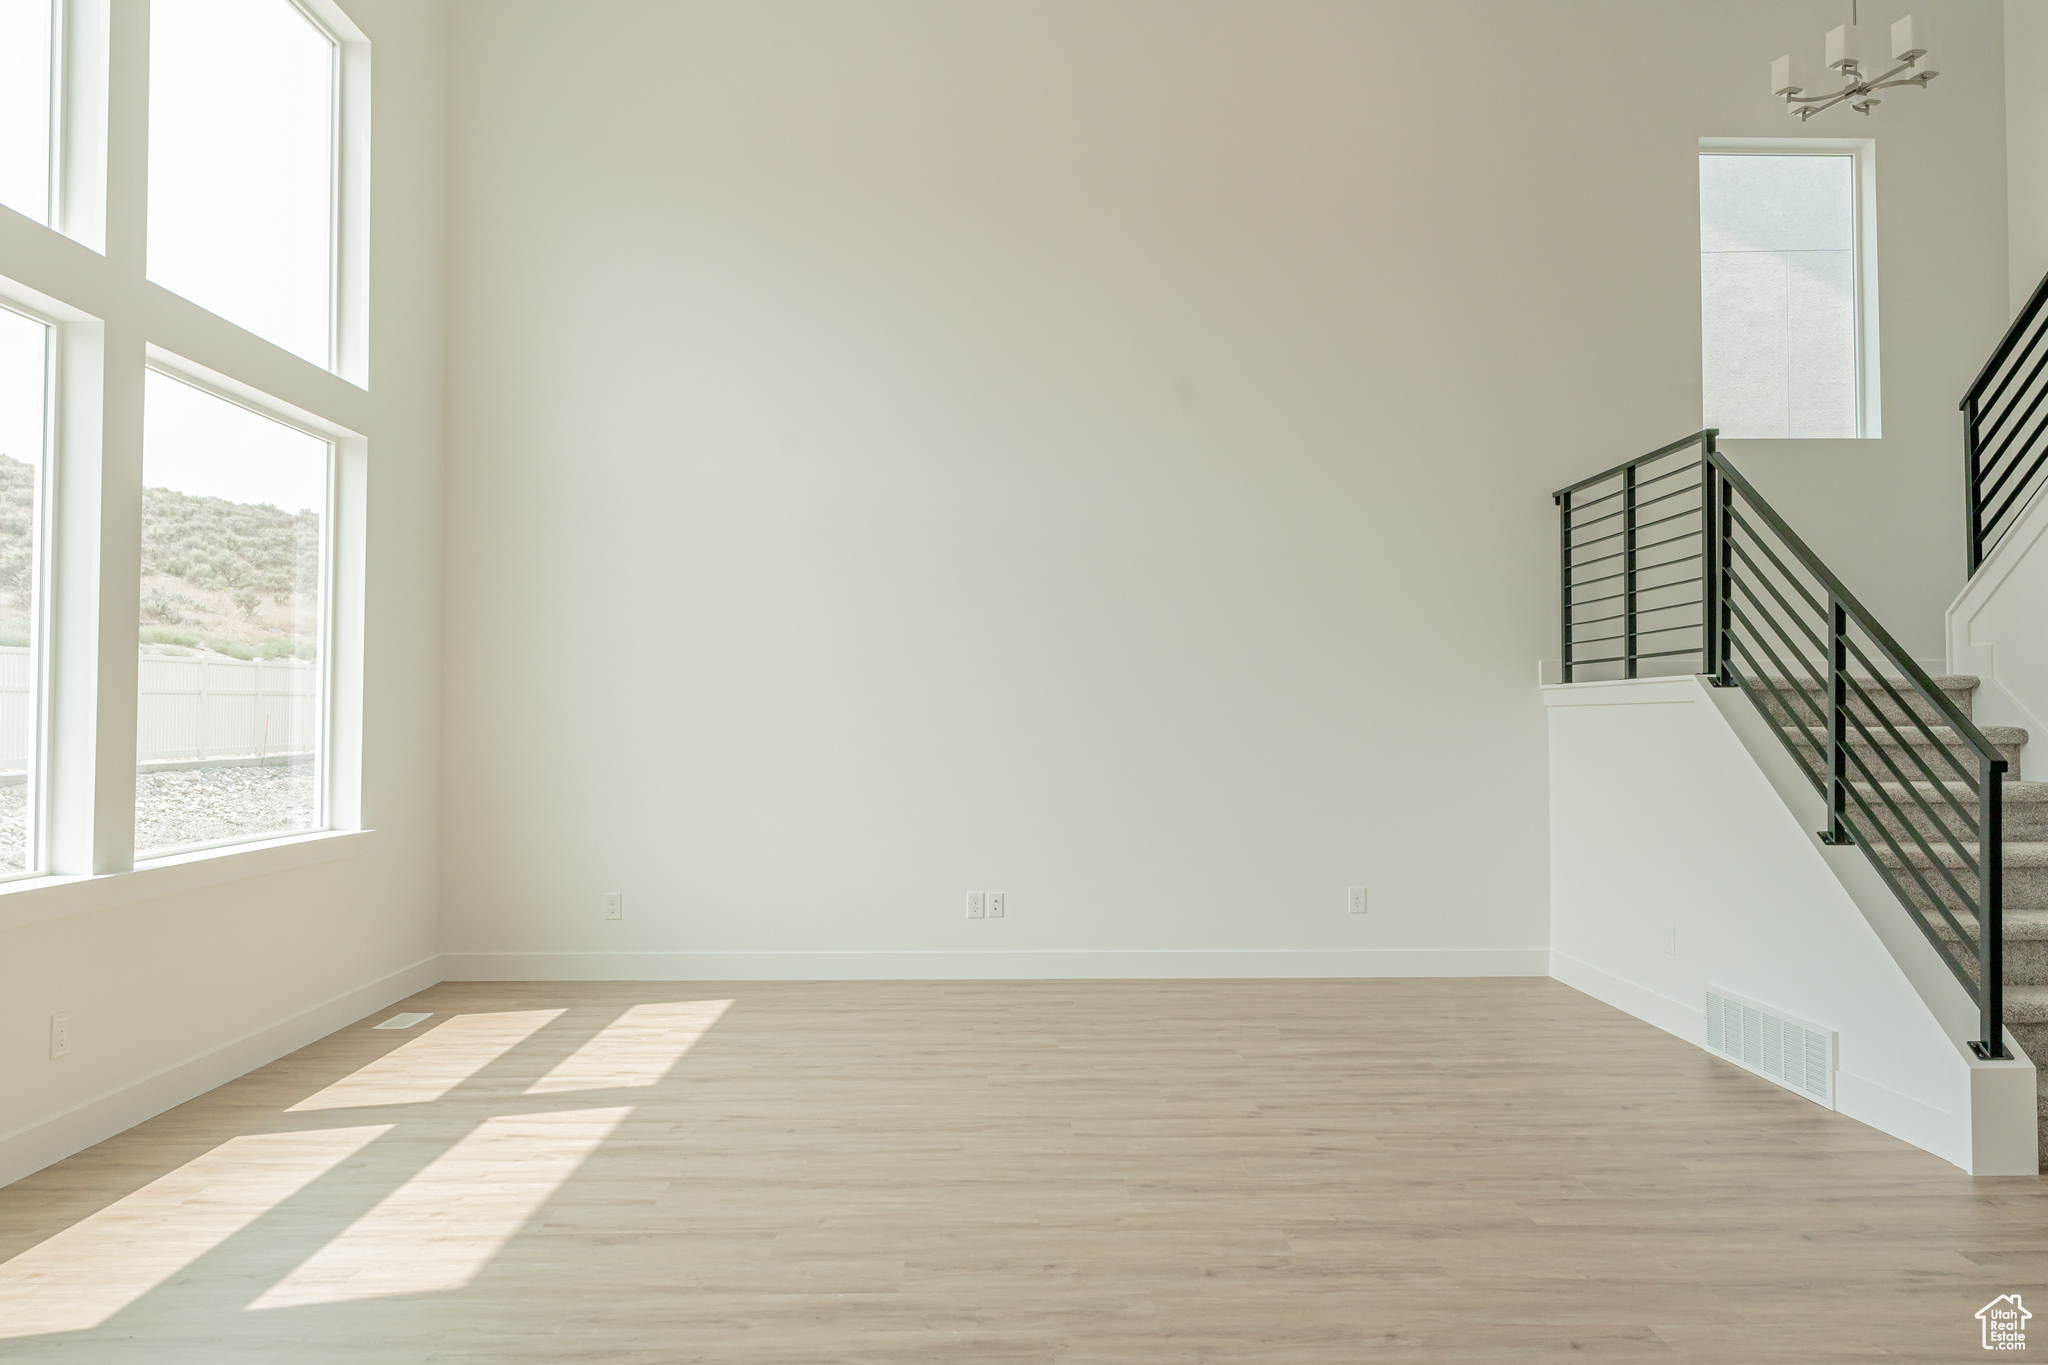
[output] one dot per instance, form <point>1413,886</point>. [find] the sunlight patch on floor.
<point>98,1266</point>
<point>638,1048</point>
<point>443,1226</point>
<point>431,1065</point>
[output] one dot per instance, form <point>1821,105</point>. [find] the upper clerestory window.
<point>1785,332</point>
<point>242,166</point>
<point>28,106</point>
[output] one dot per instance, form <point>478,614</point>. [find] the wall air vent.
<point>1797,1055</point>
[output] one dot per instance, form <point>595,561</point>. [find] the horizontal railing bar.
<point>1577,623</point>
<point>2021,425</point>
<point>1695,439</point>
<point>1622,573</point>
<point>1764,644</point>
<point>1776,563</point>
<point>1661,630</point>
<point>2019,488</point>
<point>1856,610</point>
<point>1812,774</point>
<point>1877,827</point>
<point>1617,596</point>
<point>1641,549</point>
<point>1884,754</point>
<point>1903,780</point>
<point>1772,588</point>
<point>1623,511</point>
<point>1963,771</point>
<point>1986,430</point>
<point>1691,512</point>
<point>1668,540</point>
<point>1592,502</point>
<point>1619,658</point>
<point>2019,361</point>
<point>2019,327</point>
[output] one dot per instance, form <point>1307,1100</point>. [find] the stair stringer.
<point>1673,802</point>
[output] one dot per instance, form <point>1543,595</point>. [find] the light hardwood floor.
<point>1312,1171</point>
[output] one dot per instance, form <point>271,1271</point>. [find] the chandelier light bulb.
<point>1910,39</point>
<point>1845,47</point>
<point>1788,76</point>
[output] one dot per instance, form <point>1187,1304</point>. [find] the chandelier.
<point>1911,48</point>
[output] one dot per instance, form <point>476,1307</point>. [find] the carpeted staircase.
<point>2025,813</point>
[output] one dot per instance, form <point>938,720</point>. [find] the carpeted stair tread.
<point>1999,735</point>
<point>2016,855</point>
<point>2021,926</point>
<point>2009,794</point>
<point>1946,682</point>
<point>2026,1004</point>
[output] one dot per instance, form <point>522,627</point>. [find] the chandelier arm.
<point>1886,78</point>
<point>1825,103</point>
<point>1825,100</point>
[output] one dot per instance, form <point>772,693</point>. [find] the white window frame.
<point>110,326</point>
<point>77,152</point>
<point>242,396</point>
<point>36,854</point>
<point>1862,152</point>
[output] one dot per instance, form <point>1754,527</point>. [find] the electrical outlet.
<point>614,905</point>
<point>60,1035</point>
<point>995,905</point>
<point>977,905</point>
<point>1356,903</point>
<point>1671,939</point>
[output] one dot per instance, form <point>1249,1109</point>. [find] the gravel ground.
<point>204,807</point>
<point>178,808</point>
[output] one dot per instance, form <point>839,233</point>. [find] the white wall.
<point>1099,452</point>
<point>1675,810</point>
<point>2026,146</point>
<point>1995,634</point>
<point>176,979</point>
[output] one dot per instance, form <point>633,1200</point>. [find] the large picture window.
<point>24,439</point>
<point>229,706</point>
<point>136,432</point>
<point>1779,294</point>
<point>242,166</point>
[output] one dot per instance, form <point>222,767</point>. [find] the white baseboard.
<point>1673,1016</point>
<point>994,966</point>
<point>28,1149</point>
<point>1915,1121</point>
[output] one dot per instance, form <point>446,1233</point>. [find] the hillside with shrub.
<point>227,577</point>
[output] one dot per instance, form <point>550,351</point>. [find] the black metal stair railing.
<point>1674,562</point>
<point>2004,419</point>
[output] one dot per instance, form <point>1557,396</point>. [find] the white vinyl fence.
<point>199,708</point>
<point>15,717</point>
<point>192,709</point>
